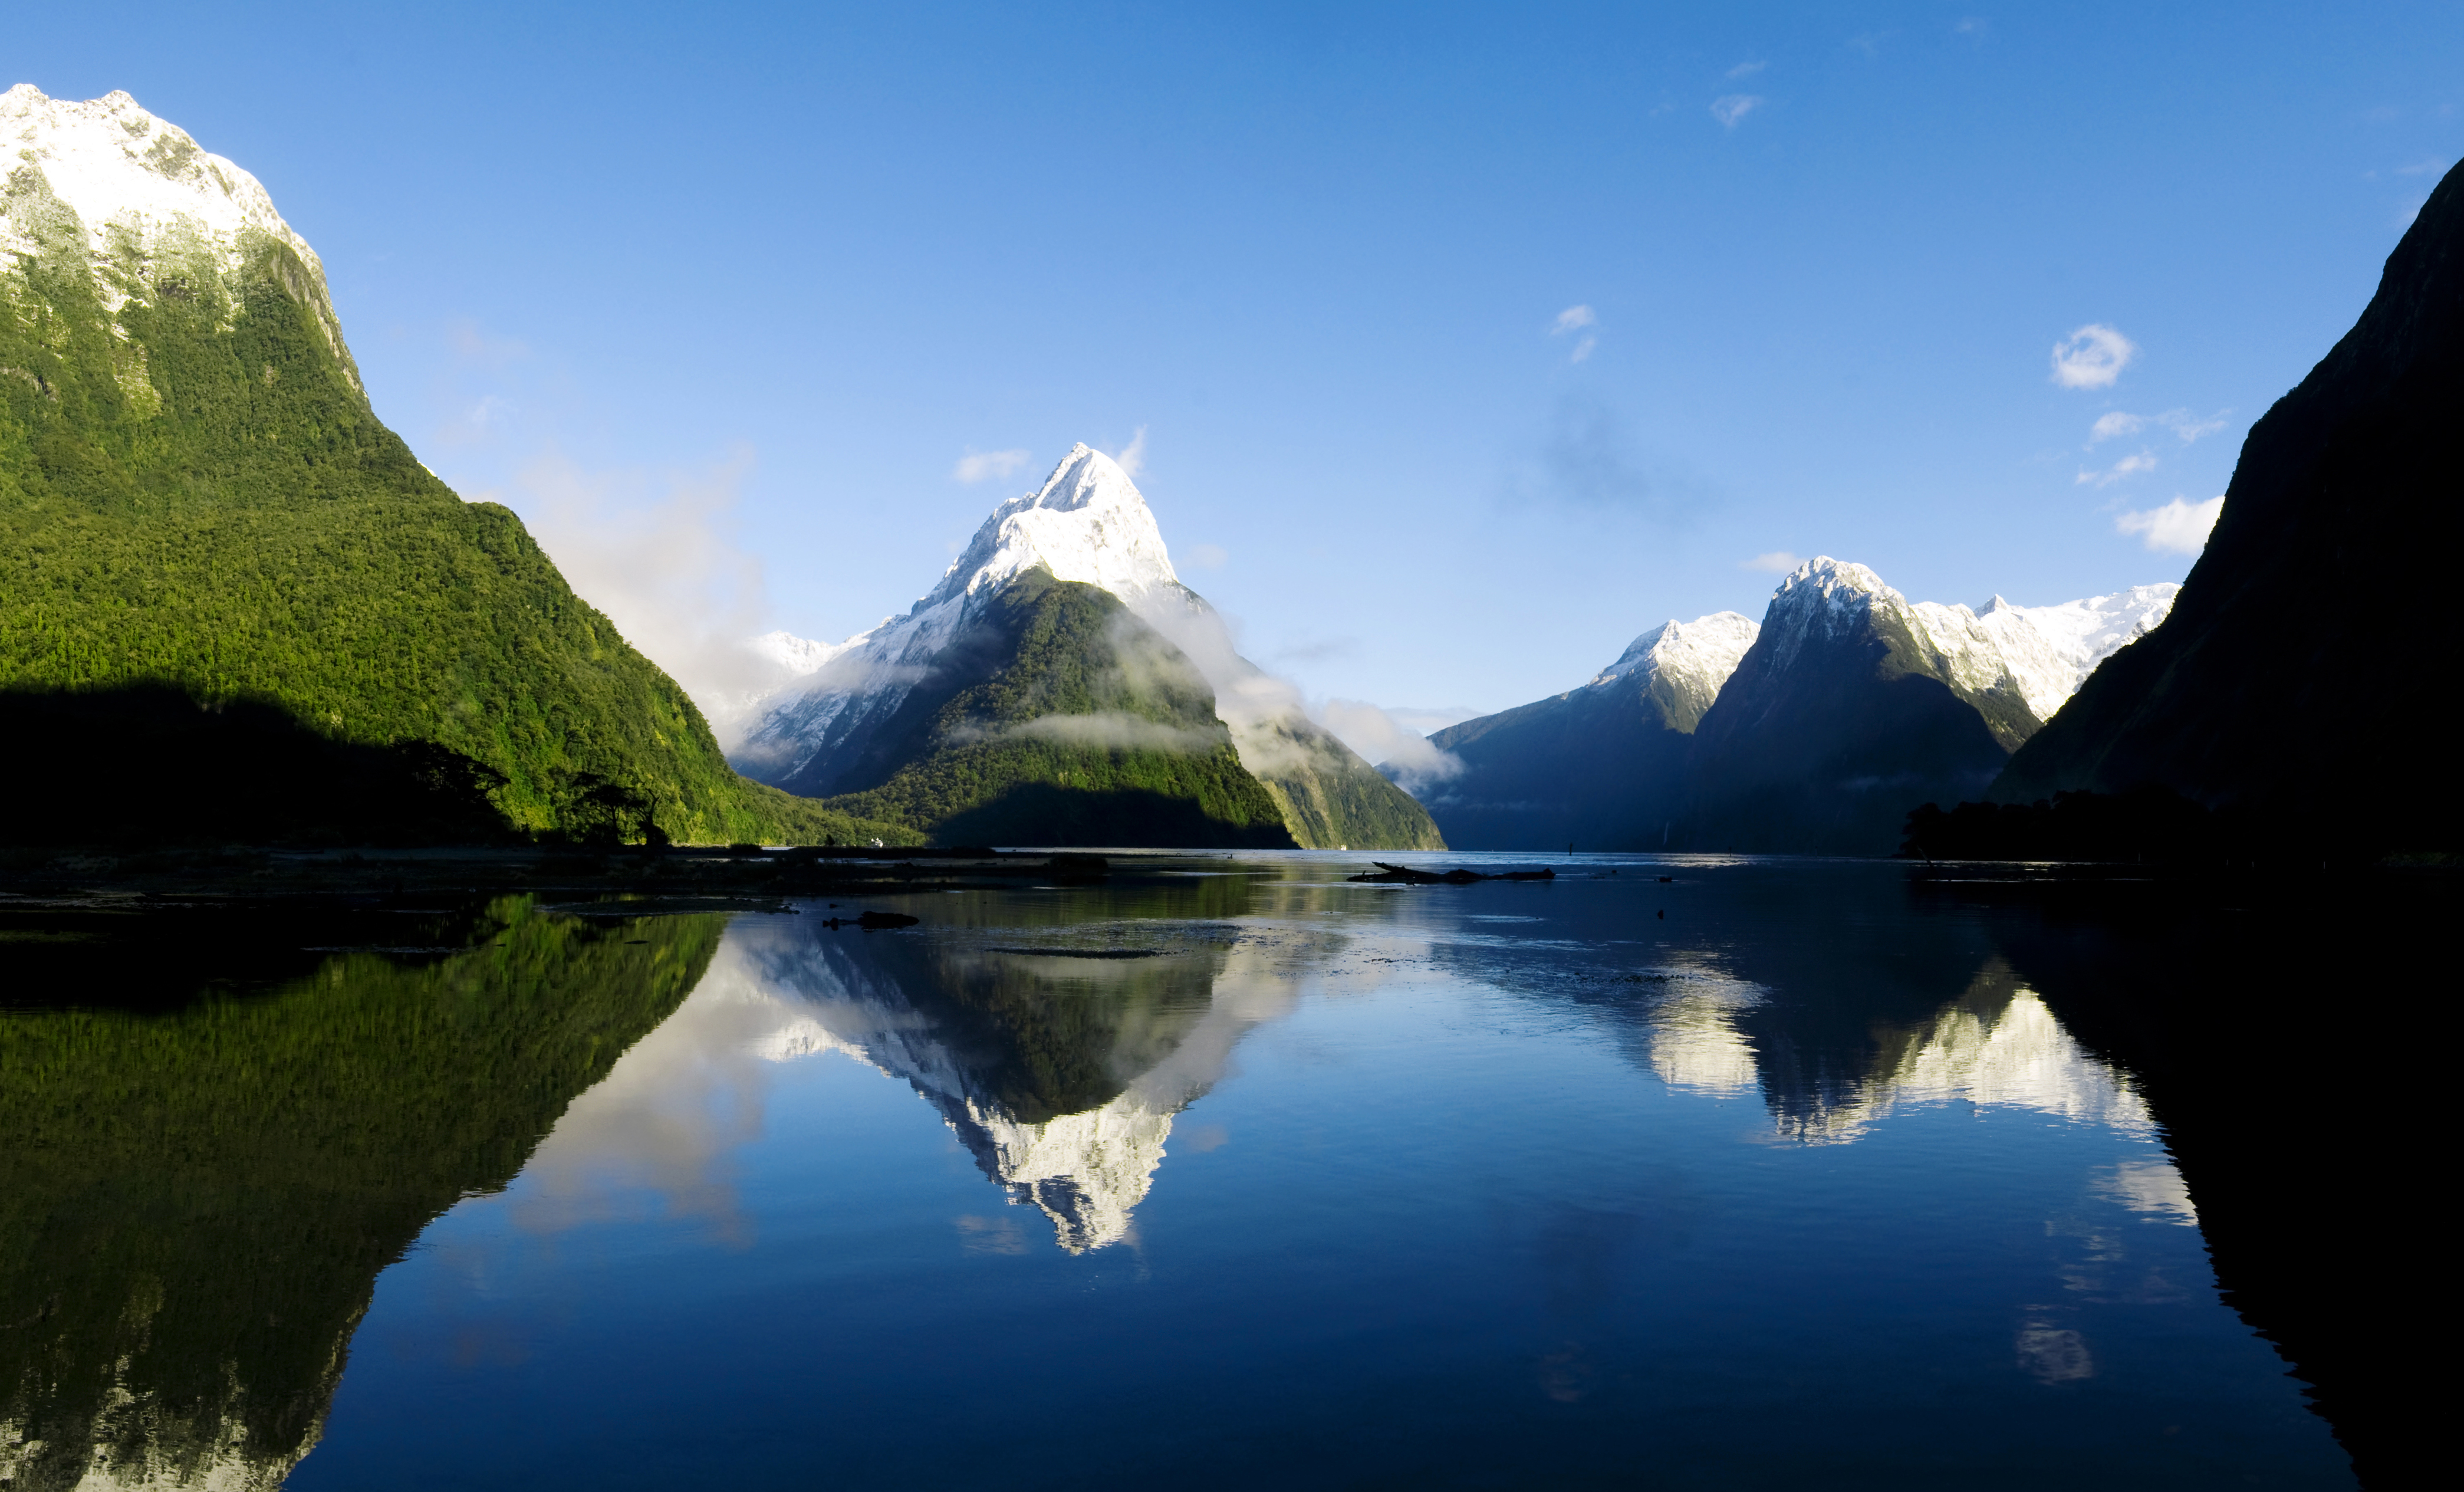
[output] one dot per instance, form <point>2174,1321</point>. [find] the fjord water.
<point>1231,1173</point>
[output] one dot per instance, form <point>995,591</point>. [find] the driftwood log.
<point>1405,875</point>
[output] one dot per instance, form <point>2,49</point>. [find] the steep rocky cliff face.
<point>2268,689</point>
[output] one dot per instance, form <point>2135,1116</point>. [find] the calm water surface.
<point>1236,1176</point>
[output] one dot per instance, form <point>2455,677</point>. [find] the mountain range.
<point>235,605</point>
<point>1059,685</point>
<point>1814,730</point>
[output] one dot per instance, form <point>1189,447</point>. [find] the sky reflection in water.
<point>1336,1185</point>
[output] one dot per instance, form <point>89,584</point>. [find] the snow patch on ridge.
<point>2048,651</point>
<point>1685,663</point>
<point>2043,653</point>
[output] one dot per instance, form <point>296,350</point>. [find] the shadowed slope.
<point>2266,690</point>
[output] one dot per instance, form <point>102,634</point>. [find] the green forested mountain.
<point>1056,717</point>
<point>194,492</point>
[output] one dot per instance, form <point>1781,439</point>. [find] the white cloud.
<point>2127,466</point>
<point>663,562</point>
<point>977,464</point>
<point>1730,108</point>
<point>2421,168</point>
<point>1970,26</point>
<point>1132,458</point>
<point>1383,740</point>
<point>2181,422</point>
<point>1112,730</point>
<point>491,410</point>
<point>1780,561</point>
<point>1747,69</point>
<point>1205,556</point>
<point>2179,527</point>
<point>1574,319</point>
<point>2093,357</point>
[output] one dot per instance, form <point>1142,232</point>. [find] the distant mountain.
<point>1060,657</point>
<point>1854,704</point>
<point>213,554</point>
<point>2270,691</point>
<point>1809,733</point>
<point>1601,766</point>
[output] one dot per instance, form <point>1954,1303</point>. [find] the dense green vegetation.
<point>194,492</point>
<point>1330,798</point>
<point>1057,718</point>
<point>194,1206</point>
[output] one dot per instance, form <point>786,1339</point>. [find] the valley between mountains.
<point>235,607</point>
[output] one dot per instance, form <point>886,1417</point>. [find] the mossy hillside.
<point>1331,798</point>
<point>194,491</point>
<point>1057,717</point>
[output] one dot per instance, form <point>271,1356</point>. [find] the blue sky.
<point>723,298</point>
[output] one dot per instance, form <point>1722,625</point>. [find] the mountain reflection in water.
<point>197,1199</point>
<point>1484,1195</point>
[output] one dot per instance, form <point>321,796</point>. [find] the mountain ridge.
<point>1623,762</point>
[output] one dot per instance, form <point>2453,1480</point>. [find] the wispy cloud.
<point>2093,357</point>
<point>1780,561</point>
<point>1205,556</point>
<point>977,466</point>
<point>2183,423</point>
<point>1971,27</point>
<point>490,413</point>
<point>1730,108</point>
<point>1385,740</point>
<point>1747,69</point>
<point>1574,319</point>
<point>1132,458</point>
<point>660,557</point>
<point>2179,527</point>
<point>2421,168</point>
<point>2127,466</point>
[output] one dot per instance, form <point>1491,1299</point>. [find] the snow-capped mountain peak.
<point>1088,522</point>
<point>2042,653</point>
<point>1685,663</point>
<point>151,206</point>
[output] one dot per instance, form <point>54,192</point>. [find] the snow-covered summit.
<point>1685,663</point>
<point>1088,522</point>
<point>2048,651</point>
<point>2043,653</point>
<point>150,202</point>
